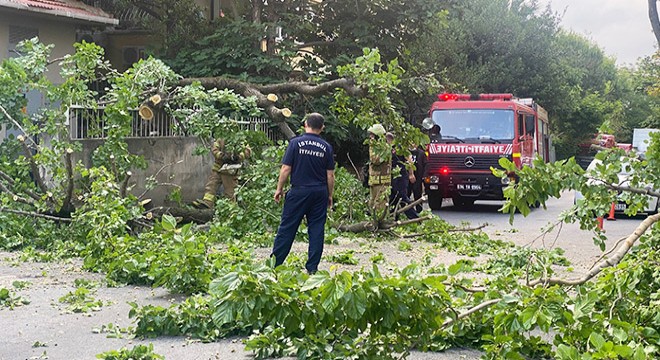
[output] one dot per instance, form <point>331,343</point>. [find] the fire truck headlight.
<point>506,180</point>
<point>434,179</point>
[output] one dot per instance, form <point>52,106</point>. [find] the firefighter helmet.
<point>377,129</point>
<point>428,123</point>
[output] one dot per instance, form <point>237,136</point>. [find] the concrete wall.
<point>171,158</point>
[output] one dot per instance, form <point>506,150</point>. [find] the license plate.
<point>433,187</point>
<point>468,186</point>
<point>620,206</point>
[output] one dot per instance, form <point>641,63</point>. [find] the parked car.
<point>624,175</point>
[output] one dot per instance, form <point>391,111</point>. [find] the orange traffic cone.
<point>599,219</point>
<point>611,216</point>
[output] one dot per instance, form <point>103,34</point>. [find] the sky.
<point>620,27</point>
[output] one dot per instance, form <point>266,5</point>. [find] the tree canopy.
<point>463,46</point>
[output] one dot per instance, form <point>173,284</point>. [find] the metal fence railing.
<point>89,124</point>
<point>263,125</point>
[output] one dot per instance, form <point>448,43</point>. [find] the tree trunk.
<point>358,227</point>
<point>186,215</point>
<point>256,11</point>
<point>655,21</point>
<point>233,7</point>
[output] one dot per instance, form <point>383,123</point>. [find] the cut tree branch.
<point>448,231</point>
<point>619,187</point>
<point>198,216</point>
<point>602,264</point>
<point>607,262</point>
<point>67,206</point>
<point>4,111</point>
<point>123,188</point>
<point>411,205</point>
<point>373,225</point>
<point>33,214</point>
<point>115,172</point>
<point>633,190</point>
<point>308,89</point>
<point>16,197</point>
<point>33,167</point>
<point>158,173</point>
<point>358,227</point>
<point>11,182</point>
<point>470,311</point>
<point>357,172</point>
<point>258,91</point>
<point>410,221</point>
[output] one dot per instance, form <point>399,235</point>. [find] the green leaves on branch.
<point>10,300</point>
<point>538,183</point>
<point>139,352</point>
<point>380,82</point>
<point>359,315</point>
<point>210,114</point>
<point>234,50</point>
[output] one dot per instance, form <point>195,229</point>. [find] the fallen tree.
<point>609,312</point>
<point>386,221</point>
<point>268,103</point>
<point>54,185</point>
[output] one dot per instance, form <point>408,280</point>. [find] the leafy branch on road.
<point>611,261</point>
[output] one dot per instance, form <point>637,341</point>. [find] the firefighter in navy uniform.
<point>415,188</point>
<point>309,162</point>
<point>401,177</point>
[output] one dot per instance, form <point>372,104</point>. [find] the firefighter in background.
<point>401,177</point>
<point>415,188</point>
<point>380,166</point>
<point>433,129</point>
<point>226,169</point>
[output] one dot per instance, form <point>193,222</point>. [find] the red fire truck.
<point>475,132</point>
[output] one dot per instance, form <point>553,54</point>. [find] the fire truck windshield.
<point>480,124</point>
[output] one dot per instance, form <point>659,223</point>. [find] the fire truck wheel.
<point>462,202</point>
<point>435,201</point>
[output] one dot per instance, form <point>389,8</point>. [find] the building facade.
<point>53,22</point>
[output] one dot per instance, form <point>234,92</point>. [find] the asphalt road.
<point>43,329</point>
<point>531,230</point>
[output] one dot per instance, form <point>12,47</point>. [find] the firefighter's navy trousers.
<point>400,194</point>
<point>301,201</point>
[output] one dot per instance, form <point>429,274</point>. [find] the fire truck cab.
<point>475,132</point>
